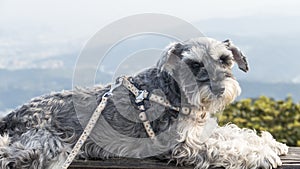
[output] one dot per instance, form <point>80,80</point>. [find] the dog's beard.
<point>213,103</point>
<point>193,132</point>
<point>199,93</point>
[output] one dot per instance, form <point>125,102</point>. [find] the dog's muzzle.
<point>216,75</point>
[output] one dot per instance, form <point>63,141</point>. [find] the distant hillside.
<point>20,86</point>
<point>273,90</point>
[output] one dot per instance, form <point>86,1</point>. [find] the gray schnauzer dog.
<point>194,78</point>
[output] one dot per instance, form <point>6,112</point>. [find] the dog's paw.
<point>263,158</point>
<point>270,162</point>
<point>279,148</point>
<point>268,159</point>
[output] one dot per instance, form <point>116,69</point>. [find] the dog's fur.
<point>41,133</point>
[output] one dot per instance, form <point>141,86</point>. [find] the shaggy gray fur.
<point>42,132</point>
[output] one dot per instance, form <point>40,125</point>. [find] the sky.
<point>50,34</point>
<point>33,30</point>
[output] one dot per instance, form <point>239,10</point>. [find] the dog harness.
<point>140,96</point>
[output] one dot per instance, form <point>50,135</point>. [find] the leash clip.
<point>142,94</point>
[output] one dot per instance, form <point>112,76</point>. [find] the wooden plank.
<point>290,161</point>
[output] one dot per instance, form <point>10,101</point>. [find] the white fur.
<point>4,140</point>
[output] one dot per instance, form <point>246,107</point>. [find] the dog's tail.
<point>5,148</point>
<point>4,123</point>
<point>3,127</point>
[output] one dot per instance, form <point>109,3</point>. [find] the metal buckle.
<point>107,94</point>
<point>186,110</point>
<point>142,94</point>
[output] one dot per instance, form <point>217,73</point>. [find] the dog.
<point>194,81</point>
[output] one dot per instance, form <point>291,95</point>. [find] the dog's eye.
<point>197,65</point>
<point>224,59</point>
<point>194,64</point>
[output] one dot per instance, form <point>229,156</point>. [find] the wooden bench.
<point>290,161</point>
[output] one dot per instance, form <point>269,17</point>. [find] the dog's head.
<point>203,69</point>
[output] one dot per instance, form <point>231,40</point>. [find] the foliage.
<point>281,118</point>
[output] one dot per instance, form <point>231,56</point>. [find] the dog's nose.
<point>217,90</point>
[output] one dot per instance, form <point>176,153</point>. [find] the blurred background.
<point>41,40</point>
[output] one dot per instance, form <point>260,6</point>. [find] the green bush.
<point>281,118</point>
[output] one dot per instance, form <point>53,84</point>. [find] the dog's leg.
<point>185,154</point>
<point>35,149</point>
<point>232,147</point>
<point>279,148</point>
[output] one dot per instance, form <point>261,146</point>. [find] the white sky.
<point>85,14</point>
<point>43,29</point>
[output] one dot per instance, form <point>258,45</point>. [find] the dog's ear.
<point>238,56</point>
<point>171,57</point>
